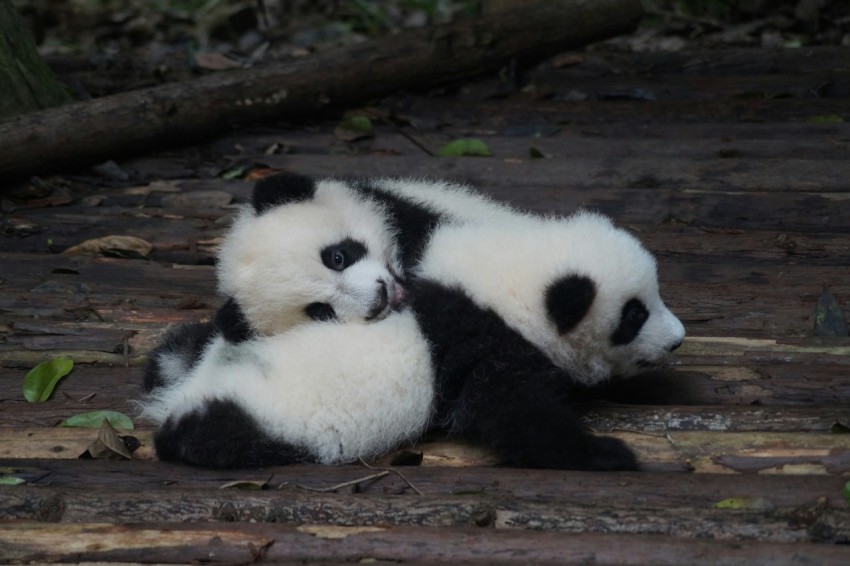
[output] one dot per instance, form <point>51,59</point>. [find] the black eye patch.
<point>568,299</point>
<point>632,318</point>
<point>341,255</point>
<point>320,312</point>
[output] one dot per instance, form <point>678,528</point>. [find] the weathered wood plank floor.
<point>733,167</point>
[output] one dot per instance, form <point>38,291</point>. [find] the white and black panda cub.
<point>308,360</point>
<point>297,254</point>
<point>522,309</point>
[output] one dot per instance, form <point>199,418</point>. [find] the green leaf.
<point>828,316</point>
<point>236,172</point>
<point>535,153</point>
<point>360,124</point>
<point>731,503</point>
<point>753,503</point>
<point>827,119</point>
<point>11,480</point>
<point>839,428</point>
<point>846,491</point>
<point>42,379</point>
<point>465,147</point>
<point>95,418</point>
<point>354,128</point>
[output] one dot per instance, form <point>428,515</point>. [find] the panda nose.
<point>675,346</point>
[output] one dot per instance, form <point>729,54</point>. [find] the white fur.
<point>270,263</point>
<point>508,265</point>
<point>340,390</point>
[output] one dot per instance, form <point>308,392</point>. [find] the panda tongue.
<point>397,295</point>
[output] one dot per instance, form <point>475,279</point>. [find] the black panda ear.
<point>283,188</point>
<point>568,299</point>
<point>231,322</point>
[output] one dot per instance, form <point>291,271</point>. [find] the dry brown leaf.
<point>216,62</point>
<point>122,243</point>
<point>336,531</point>
<point>108,445</point>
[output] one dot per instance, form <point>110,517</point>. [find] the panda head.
<point>603,311</point>
<point>309,250</point>
<point>581,290</point>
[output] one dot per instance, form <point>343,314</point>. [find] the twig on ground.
<point>342,485</point>
<point>396,472</point>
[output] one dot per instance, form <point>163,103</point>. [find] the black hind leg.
<point>528,426</point>
<point>221,434</point>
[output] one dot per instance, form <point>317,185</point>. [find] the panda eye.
<point>632,318</point>
<point>343,255</point>
<point>636,314</point>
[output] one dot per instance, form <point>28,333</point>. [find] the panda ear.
<point>568,299</point>
<point>284,188</point>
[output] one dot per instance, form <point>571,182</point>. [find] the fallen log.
<point>148,119</point>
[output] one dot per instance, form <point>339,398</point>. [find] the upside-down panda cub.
<point>311,358</point>
<point>291,257</point>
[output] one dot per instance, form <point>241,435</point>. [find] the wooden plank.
<point>244,543</point>
<point>718,177</point>
<point>817,142</point>
<point>657,490</point>
<point>661,87</point>
<point>635,113</point>
<point>704,452</point>
<point>761,521</point>
<point>719,418</point>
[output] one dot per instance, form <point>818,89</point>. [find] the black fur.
<point>498,389</point>
<point>283,188</point>
<point>568,299</point>
<point>413,224</point>
<point>190,339</point>
<point>632,318</point>
<point>320,312</point>
<point>230,321</point>
<point>222,435</point>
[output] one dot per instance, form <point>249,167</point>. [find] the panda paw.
<point>610,454</point>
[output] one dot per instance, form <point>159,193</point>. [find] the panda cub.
<point>310,358</point>
<point>327,255</point>
<point>523,311</point>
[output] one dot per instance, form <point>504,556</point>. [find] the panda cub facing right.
<point>522,311</point>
